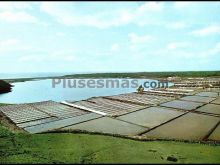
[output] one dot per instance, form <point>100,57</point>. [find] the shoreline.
<point>5,87</point>
<point>139,75</point>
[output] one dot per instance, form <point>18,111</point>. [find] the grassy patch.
<point>4,132</point>
<point>2,104</point>
<point>84,148</point>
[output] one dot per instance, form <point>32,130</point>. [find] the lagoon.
<point>42,90</point>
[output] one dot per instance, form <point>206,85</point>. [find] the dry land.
<point>153,127</point>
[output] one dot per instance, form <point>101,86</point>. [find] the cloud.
<point>209,53</point>
<point>15,6</point>
<point>62,13</point>
<point>173,50</point>
<point>210,30</point>
<point>151,6</point>
<point>13,45</point>
<point>16,12</point>
<point>182,4</point>
<point>177,25</point>
<point>177,45</point>
<point>23,17</point>
<point>138,42</point>
<point>215,50</point>
<point>45,56</point>
<point>138,39</point>
<point>8,43</point>
<point>71,18</point>
<point>31,58</point>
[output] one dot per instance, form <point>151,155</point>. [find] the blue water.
<point>41,90</point>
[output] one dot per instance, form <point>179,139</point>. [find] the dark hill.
<point>5,87</point>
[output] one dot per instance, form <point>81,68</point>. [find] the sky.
<point>109,36</point>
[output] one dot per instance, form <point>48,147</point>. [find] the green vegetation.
<point>85,148</point>
<point>1,104</point>
<point>148,74</point>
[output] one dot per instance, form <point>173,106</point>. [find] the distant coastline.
<point>139,75</point>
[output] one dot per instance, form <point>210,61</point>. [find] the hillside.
<point>5,87</point>
<point>86,149</point>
